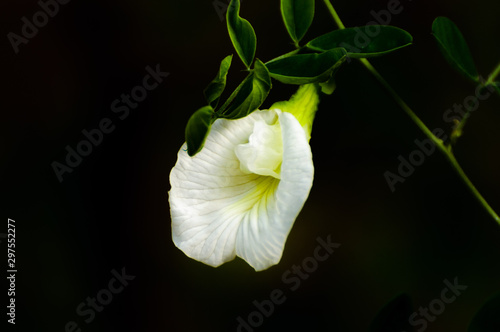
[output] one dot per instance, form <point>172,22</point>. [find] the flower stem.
<point>447,151</point>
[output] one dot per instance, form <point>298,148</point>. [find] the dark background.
<point>112,211</point>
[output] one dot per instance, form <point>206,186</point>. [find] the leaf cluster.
<point>314,62</point>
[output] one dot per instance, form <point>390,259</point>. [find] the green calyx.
<point>303,106</point>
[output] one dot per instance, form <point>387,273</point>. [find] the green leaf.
<point>454,47</point>
<point>487,318</point>
<point>197,129</point>
<point>306,68</point>
<point>249,95</point>
<point>394,316</point>
<point>298,16</point>
<point>375,40</point>
<point>215,89</point>
<point>241,33</point>
<point>329,86</point>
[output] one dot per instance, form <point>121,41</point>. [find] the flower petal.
<point>263,231</point>
<point>218,211</point>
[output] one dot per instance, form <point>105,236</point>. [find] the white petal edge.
<point>219,212</point>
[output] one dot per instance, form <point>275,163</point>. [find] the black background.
<point>112,211</point>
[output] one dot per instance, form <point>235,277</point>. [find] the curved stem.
<point>447,152</point>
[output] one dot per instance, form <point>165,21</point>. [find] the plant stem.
<point>493,75</point>
<point>468,182</point>
<point>336,17</point>
<point>458,130</point>
<point>448,153</point>
<point>402,103</point>
<point>288,54</point>
<point>491,79</point>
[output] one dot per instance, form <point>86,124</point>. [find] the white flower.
<point>241,194</point>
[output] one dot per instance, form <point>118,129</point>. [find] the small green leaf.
<point>249,95</point>
<point>329,86</point>
<point>394,316</point>
<point>375,40</point>
<point>454,47</point>
<point>197,129</point>
<point>298,16</point>
<point>241,33</point>
<point>306,68</point>
<point>487,318</point>
<point>215,89</point>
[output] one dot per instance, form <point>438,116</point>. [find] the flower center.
<point>263,153</point>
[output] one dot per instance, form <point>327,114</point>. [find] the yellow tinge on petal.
<point>303,105</point>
